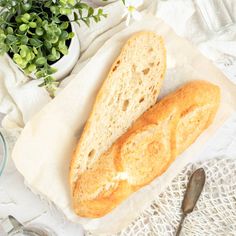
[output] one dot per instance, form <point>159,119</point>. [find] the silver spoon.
<point>193,191</point>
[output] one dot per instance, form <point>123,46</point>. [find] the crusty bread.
<point>147,149</point>
<point>131,87</point>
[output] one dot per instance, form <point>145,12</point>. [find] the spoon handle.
<point>180,225</point>
<point>193,191</point>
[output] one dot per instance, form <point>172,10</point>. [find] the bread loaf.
<point>147,149</point>
<point>131,87</point>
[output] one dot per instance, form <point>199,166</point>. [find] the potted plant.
<point>39,36</point>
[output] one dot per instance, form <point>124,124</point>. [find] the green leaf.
<point>86,21</point>
<point>80,13</point>
<point>56,20</point>
<point>54,56</point>
<point>63,2</point>
<point>39,20</point>
<point>18,19</point>
<point>35,50</point>
<point>90,11</point>
<point>45,25</point>
<point>48,45</point>
<point>64,35</point>
<point>54,39</point>
<point>54,51</point>
<point>14,48</point>
<point>55,10</point>
<point>31,68</point>
<point>3,48</point>
<point>24,39</point>
<point>96,18</point>
<point>50,84</point>
<point>39,31</point>
<point>17,59</point>
<point>65,11</point>
<point>100,11</point>
<point>71,35</point>
<point>35,42</point>
<point>76,16</point>
<point>23,53</point>
<point>71,2</point>
<point>41,61</point>
<point>57,31</point>
<point>32,25</point>
<point>11,38</point>
<point>47,3</point>
<point>83,5</point>
<point>40,74</point>
<point>26,6</point>
<point>51,57</point>
<point>30,56</point>
<point>24,50</point>
<point>52,70</point>
<point>2,37</point>
<point>23,65</point>
<point>64,25</point>
<point>63,48</point>
<point>25,18</point>
<point>10,30</point>
<point>23,27</point>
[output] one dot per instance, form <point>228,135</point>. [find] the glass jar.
<point>10,226</point>
<point>3,152</point>
<point>216,13</point>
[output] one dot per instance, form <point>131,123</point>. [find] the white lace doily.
<point>214,214</point>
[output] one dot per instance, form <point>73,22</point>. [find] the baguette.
<point>131,87</point>
<point>147,149</point>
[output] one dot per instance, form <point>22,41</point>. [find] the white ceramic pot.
<point>67,62</point>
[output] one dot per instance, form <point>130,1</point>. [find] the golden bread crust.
<point>147,149</point>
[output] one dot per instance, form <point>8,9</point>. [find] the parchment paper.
<point>42,153</point>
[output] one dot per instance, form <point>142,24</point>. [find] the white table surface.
<point>17,200</point>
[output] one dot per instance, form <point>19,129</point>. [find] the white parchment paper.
<point>43,152</point>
